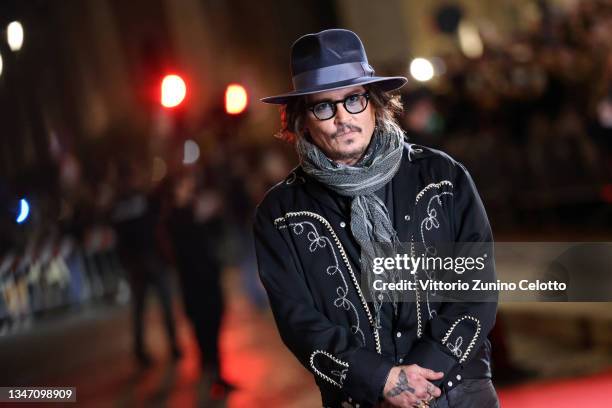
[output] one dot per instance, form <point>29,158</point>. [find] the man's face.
<point>345,137</point>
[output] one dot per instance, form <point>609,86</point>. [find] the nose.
<point>342,115</point>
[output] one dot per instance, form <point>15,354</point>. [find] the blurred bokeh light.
<point>236,99</point>
<point>14,35</point>
<point>173,91</point>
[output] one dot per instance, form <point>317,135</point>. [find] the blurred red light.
<point>606,193</point>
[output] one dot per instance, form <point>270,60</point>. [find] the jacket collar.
<point>334,202</point>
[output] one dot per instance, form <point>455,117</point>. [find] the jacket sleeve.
<point>331,352</point>
<point>459,329</point>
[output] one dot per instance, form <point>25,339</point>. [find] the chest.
<point>318,228</point>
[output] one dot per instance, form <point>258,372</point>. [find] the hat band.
<point>333,73</point>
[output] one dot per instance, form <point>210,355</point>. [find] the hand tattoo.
<point>402,385</point>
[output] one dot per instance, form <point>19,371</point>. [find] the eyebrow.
<point>353,92</point>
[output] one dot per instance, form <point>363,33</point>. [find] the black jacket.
<point>309,264</point>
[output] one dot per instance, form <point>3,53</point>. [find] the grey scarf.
<point>369,216</point>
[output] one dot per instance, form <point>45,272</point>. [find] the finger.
<point>431,374</point>
<point>420,389</point>
<point>412,401</point>
<point>407,399</point>
<point>415,404</point>
<point>433,390</point>
<point>421,395</point>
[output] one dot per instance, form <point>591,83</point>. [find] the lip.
<point>345,133</point>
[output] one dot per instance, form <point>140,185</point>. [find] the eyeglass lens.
<point>353,104</point>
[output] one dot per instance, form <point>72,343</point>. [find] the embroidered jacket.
<point>308,263</point>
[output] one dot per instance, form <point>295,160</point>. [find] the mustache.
<point>344,128</point>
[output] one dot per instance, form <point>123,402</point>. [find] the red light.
<point>173,91</point>
<point>606,193</point>
<point>236,99</point>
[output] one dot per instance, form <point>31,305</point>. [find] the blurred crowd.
<point>531,119</point>
<point>133,235</point>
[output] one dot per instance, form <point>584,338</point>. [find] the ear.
<point>306,134</point>
<point>304,125</point>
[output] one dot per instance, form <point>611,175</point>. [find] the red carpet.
<point>592,391</point>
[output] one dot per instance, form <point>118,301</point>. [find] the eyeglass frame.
<point>336,102</point>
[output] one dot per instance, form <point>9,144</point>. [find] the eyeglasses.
<point>355,103</point>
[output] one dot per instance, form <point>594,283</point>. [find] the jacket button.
<point>458,377</point>
<point>401,360</point>
<point>450,383</point>
<point>399,334</point>
<point>407,217</point>
<point>343,224</point>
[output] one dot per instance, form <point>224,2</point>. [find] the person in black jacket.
<point>360,183</point>
<point>136,221</point>
<point>195,226</point>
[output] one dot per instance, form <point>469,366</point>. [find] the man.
<point>136,220</point>
<point>194,224</point>
<point>358,182</point>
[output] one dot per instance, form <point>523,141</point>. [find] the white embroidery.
<point>317,240</point>
<point>471,345</point>
<point>412,150</point>
<point>429,222</point>
<point>430,186</point>
<point>340,374</point>
<point>293,177</point>
<point>416,292</point>
<point>455,348</point>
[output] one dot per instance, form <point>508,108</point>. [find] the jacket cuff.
<point>428,354</point>
<point>368,377</point>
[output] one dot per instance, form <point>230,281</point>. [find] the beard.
<point>351,152</point>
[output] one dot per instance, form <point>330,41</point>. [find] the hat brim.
<point>386,84</point>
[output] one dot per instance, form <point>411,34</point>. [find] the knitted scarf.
<point>370,221</point>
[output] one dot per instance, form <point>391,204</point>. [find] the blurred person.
<point>240,191</point>
<point>195,227</point>
<point>422,122</point>
<point>136,220</point>
<point>360,182</point>
<point>272,167</point>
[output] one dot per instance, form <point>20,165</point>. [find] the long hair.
<point>387,106</point>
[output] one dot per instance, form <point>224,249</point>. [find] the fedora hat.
<point>328,60</point>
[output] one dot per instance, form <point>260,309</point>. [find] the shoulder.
<point>432,159</point>
<point>283,192</point>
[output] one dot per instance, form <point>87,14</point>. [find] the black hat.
<point>328,60</point>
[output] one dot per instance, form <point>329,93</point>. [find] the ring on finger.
<point>430,392</point>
